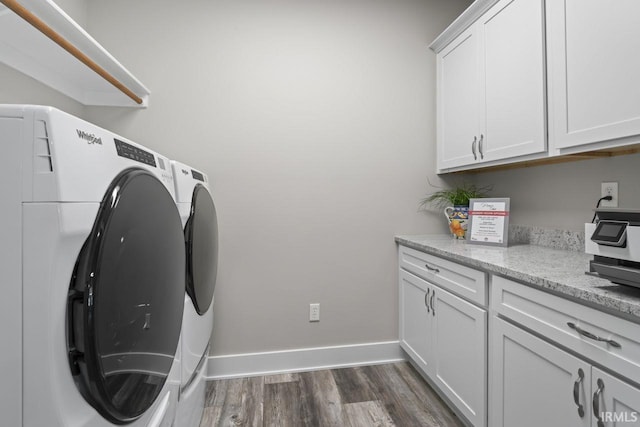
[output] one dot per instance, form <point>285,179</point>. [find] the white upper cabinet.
<point>512,71</point>
<point>459,101</point>
<point>594,71</point>
<point>514,79</point>
<point>491,85</point>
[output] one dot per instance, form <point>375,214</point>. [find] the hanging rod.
<point>41,26</point>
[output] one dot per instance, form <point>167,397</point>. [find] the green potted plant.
<point>455,202</point>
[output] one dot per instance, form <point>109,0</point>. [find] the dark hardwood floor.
<point>382,395</point>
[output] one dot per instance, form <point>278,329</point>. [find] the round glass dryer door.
<point>201,234</point>
<point>126,298</point>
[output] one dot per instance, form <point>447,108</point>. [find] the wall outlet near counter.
<point>609,189</point>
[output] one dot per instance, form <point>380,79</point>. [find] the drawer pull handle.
<point>433,294</point>
<point>426,299</point>
<point>434,269</point>
<point>596,402</point>
<point>576,392</point>
<point>480,147</point>
<point>592,336</point>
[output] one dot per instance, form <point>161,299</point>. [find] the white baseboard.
<point>303,359</point>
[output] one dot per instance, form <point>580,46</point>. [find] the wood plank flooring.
<point>367,396</point>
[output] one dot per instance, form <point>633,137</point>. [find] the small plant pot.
<point>458,217</point>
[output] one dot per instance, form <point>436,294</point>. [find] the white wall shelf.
<point>26,49</point>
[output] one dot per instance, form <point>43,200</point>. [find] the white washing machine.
<point>198,215</point>
<point>92,258</point>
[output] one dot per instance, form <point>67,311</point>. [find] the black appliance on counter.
<point>614,242</point>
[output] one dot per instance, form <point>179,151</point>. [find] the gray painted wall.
<point>564,195</point>
<point>316,124</point>
<point>76,9</point>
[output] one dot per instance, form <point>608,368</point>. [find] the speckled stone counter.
<point>558,271</point>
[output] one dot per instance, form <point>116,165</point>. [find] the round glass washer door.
<point>126,298</point>
<point>201,235</point>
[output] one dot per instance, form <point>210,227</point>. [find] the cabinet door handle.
<point>433,294</point>
<point>596,402</point>
<point>480,146</point>
<point>426,299</point>
<point>434,269</point>
<point>576,392</point>
<point>594,337</point>
<point>473,148</point>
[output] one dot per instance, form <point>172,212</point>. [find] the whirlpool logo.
<point>89,137</point>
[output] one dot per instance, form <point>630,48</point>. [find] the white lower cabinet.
<point>445,336</point>
<point>459,350</point>
<point>615,402</point>
<point>415,320</point>
<point>534,383</point>
<point>550,361</point>
<point>559,380</point>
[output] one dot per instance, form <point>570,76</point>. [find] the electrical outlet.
<point>609,189</point>
<point>314,312</point>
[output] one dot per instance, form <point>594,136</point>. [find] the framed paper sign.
<point>489,221</point>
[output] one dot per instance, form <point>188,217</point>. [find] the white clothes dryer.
<point>199,218</point>
<point>92,254</point>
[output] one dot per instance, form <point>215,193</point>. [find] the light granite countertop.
<point>555,270</point>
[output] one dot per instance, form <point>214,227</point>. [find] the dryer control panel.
<point>197,175</point>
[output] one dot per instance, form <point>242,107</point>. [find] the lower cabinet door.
<point>615,403</point>
<point>534,383</point>
<point>415,320</point>
<point>460,354</point>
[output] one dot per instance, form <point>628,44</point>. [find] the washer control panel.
<point>134,153</point>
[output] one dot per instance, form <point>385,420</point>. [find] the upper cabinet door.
<point>514,80</point>
<point>491,88</point>
<point>459,101</point>
<point>594,70</point>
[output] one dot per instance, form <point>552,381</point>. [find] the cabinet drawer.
<point>463,281</point>
<point>550,315</point>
